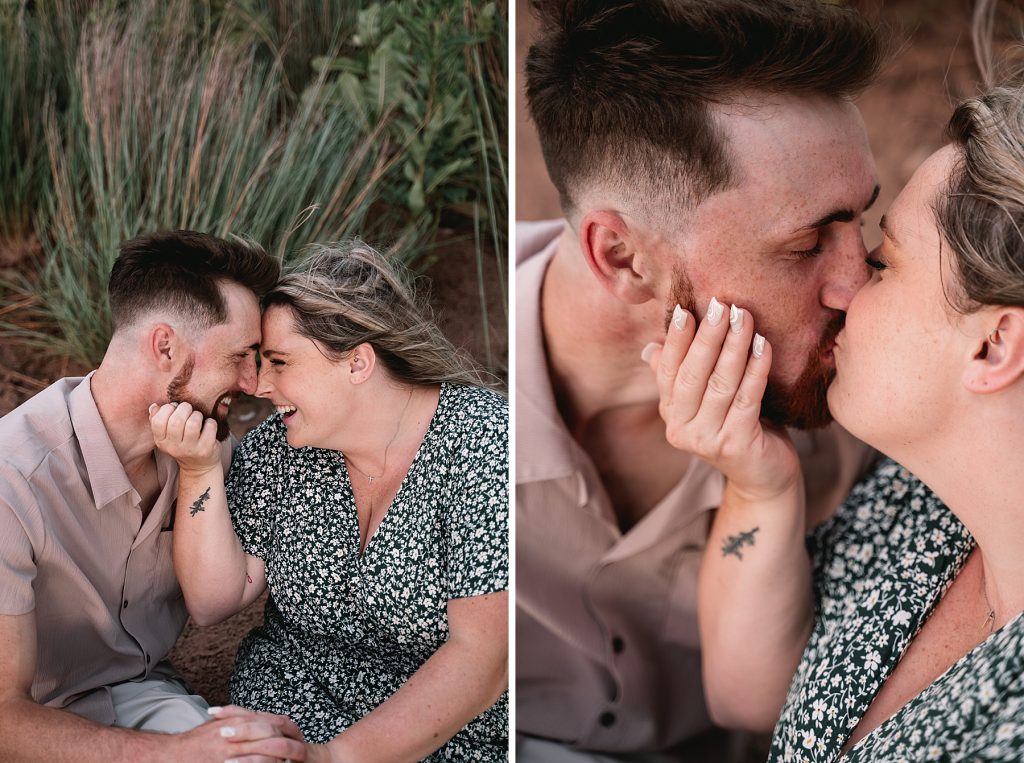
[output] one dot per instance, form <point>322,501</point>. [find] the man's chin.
<point>802,405</point>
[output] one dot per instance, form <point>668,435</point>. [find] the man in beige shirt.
<point>89,602</point>
<point>701,149</point>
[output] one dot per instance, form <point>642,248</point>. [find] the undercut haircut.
<point>181,272</point>
<point>622,92</point>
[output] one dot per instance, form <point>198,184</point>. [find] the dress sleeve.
<point>1001,738</point>
<point>254,488</point>
<point>477,532</point>
<point>868,510</point>
<point>17,556</point>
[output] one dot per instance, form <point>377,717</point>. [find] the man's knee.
<point>163,705</point>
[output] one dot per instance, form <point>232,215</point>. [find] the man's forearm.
<point>33,733</point>
<point>755,608</point>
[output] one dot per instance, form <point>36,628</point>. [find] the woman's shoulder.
<point>888,499</point>
<point>475,409</point>
<point>268,440</point>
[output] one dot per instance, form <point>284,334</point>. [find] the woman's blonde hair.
<point>346,293</point>
<point>981,212</point>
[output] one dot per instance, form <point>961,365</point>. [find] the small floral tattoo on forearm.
<point>196,507</point>
<point>734,543</point>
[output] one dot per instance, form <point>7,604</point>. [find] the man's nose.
<point>847,273</point>
<point>247,377</point>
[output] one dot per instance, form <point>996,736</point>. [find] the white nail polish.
<point>227,731</point>
<point>758,345</point>
<point>735,319</point>
<point>679,318</point>
<point>232,760</point>
<point>214,710</point>
<point>715,311</point>
<point>648,350</point>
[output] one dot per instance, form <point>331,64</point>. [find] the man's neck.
<point>593,341</point>
<point>606,395</point>
<point>121,399</point>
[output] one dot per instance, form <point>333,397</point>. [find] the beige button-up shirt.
<point>75,549</point>
<point>607,647</point>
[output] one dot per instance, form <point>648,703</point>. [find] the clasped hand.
<point>711,380</point>
<point>243,736</point>
<point>186,435</point>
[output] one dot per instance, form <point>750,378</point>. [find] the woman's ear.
<point>998,357</point>
<point>361,363</point>
<point>610,248</point>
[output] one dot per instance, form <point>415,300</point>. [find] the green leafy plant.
<point>227,116</point>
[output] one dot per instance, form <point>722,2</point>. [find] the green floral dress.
<point>881,565</point>
<point>343,632</point>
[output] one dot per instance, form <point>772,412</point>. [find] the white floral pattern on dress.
<point>881,565</point>
<point>343,632</point>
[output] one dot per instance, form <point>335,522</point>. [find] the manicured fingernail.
<point>758,345</point>
<point>227,731</point>
<point>214,710</point>
<point>152,408</point>
<point>715,310</point>
<point>679,318</point>
<point>232,760</point>
<point>648,350</point>
<point>735,319</point>
<point>174,403</point>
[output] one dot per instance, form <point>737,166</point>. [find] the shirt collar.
<point>544,446</point>
<point>107,477</point>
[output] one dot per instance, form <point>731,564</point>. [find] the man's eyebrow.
<point>267,353</point>
<point>886,228</point>
<point>843,215</point>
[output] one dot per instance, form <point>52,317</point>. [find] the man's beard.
<point>802,404</point>
<point>177,392</point>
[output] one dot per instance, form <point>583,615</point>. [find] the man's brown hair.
<point>181,272</point>
<point>621,91</point>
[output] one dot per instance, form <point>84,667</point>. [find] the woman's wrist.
<point>206,473</point>
<point>786,496</point>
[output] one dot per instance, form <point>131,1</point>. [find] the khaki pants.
<point>161,702</point>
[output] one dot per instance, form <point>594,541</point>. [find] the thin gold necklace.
<point>371,477</point>
<point>990,618</point>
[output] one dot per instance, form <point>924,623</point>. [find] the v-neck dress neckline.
<point>881,566</point>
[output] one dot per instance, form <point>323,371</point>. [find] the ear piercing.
<point>993,338</point>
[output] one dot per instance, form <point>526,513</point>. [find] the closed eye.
<point>807,254</point>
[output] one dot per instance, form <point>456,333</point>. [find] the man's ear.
<point>997,359</point>
<point>162,345</point>
<point>361,363</point>
<point>610,248</point>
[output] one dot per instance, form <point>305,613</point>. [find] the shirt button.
<point>606,719</point>
<point>618,645</point>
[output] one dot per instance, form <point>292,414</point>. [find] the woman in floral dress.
<point>903,625</point>
<point>374,506</point>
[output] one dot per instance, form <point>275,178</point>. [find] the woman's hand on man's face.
<point>186,436</point>
<point>711,379</point>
